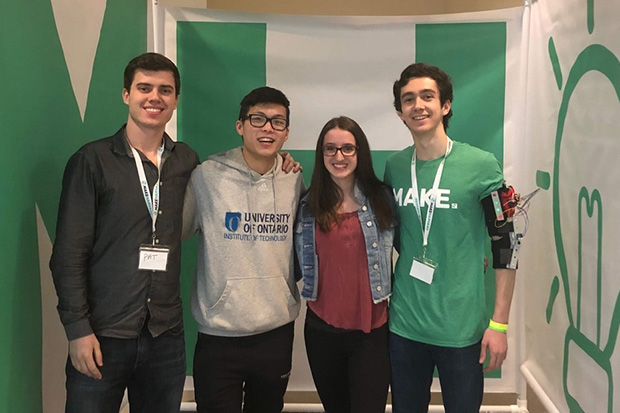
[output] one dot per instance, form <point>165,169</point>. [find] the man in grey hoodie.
<point>245,297</point>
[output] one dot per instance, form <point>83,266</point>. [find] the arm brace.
<point>498,213</point>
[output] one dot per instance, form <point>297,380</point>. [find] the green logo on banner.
<point>44,120</point>
<point>584,346</point>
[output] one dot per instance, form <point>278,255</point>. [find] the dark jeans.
<point>413,364</point>
<point>351,370</point>
<point>152,369</point>
<point>227,367</point>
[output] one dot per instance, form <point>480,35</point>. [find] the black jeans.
<point>351,369</point>
<point>413,364</point>
<point>227,367</point>
<point>152,369</point>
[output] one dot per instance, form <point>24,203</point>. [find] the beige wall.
<point>350,7</point>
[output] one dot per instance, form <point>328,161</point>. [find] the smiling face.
<point>421,108</point>
<point>341,168</point>
<point>151,100</point>
<point>261,144</point>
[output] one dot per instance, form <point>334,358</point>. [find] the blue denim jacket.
<point>378,249</point>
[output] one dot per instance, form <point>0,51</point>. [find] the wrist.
<point>499,327</point>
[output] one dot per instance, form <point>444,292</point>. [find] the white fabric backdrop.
<point>570,339</point>
<point>313,49</point>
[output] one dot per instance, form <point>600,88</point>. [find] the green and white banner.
<point>571,149</point>
<point>330,66</point>
<point>538,86</point>
<point>62,62</point>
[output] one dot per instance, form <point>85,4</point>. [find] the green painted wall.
<point>41,127</point>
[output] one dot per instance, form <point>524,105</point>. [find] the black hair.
<point>264,94</point>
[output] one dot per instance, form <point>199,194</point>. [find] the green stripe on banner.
<point>41,128</point>
<point>219,64</point>
<point>474,55</point>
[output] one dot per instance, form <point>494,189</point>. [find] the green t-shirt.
<point>449,312</point>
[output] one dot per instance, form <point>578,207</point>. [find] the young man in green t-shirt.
<point>437,316</point>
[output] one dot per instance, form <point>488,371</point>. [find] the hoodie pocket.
<point>253,305</point>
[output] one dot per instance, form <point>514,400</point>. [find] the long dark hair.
<point>325,196</point>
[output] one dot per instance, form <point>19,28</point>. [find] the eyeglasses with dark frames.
<point>258,121</point>
<point>346,150</point>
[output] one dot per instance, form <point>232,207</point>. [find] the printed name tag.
<point>423,269</point>
<point>153,258</point>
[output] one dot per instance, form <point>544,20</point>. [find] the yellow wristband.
<point>499,327</point>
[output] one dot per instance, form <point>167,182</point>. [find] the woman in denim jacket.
<point>344,233</point>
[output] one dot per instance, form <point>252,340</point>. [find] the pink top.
<point>343,295</point>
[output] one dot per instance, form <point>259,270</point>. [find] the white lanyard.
<point>433,194</point>
<point>151,203</point>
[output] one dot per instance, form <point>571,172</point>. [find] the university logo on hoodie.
<point>257,226</point>
<point>232,221</point>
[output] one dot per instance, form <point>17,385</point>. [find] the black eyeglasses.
<point>346,150</point>
<point>258,121</point>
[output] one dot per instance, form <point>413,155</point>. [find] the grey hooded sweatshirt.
<point>244,282</point>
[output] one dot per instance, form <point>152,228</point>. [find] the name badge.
<point>423,269</point>
<point>153,258</point>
